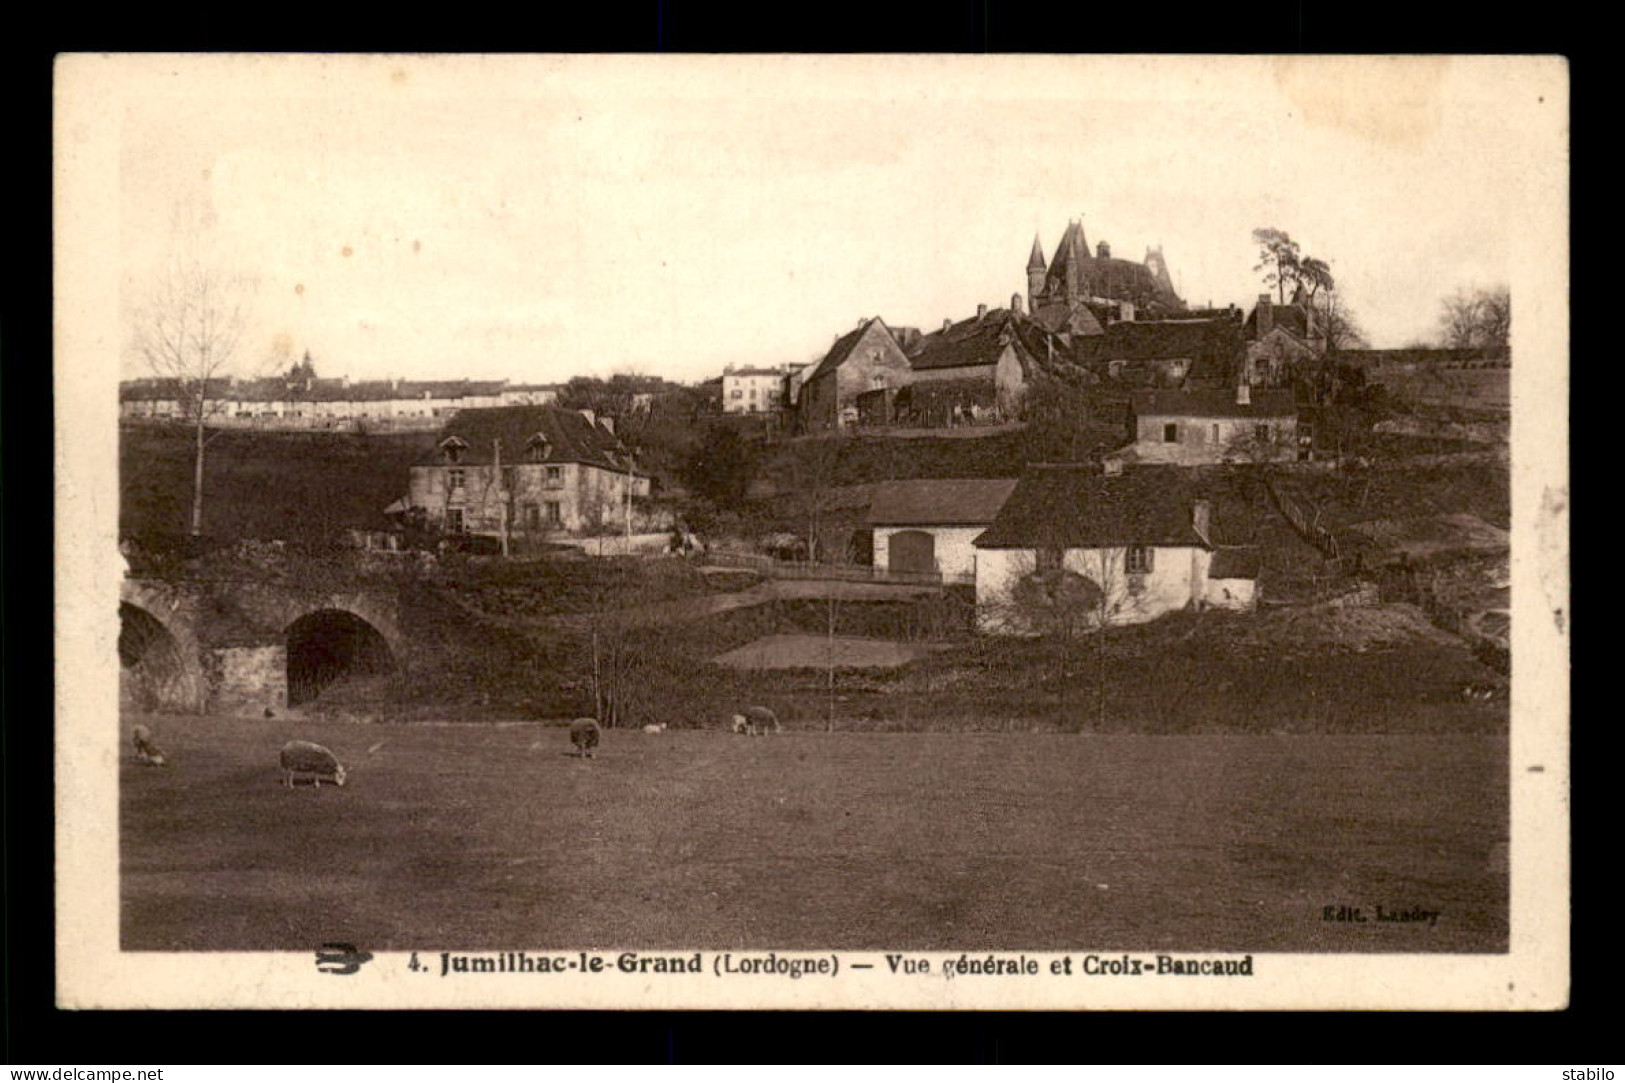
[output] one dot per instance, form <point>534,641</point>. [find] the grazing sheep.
<point>758,721</point>
<point>305,758</point>
<point>655,727</point>
<point>584,734</point>
<point>146,750</point>
<point>738,724</point>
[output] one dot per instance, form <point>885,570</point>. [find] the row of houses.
<point>301,399</point>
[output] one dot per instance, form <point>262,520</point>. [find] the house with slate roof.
<point>1280,338</point>
<point>978,369</point>
<point>561,471</point>
<point>1204,426</point>
<point>928,525</point>
<point>1171,353</point>
<point>1127,547</point>
<point>863,360</point>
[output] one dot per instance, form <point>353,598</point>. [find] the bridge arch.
<point>158,666</point>
<point>329,644</point>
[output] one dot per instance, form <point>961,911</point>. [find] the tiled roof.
<point>838,353</point>
<point>570,437</point>
<point>941,502</point>
<point>1234,564</point>
<point>1197,340</point>
<point>981,342</point>
<point>1289,318</point>
<point>1217,402</point>
<point>1079,507</point>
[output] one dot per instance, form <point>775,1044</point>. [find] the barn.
<point>928,525</point>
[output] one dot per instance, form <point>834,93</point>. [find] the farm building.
<point>977,369</point>
<point>1137,544</point>
<point>929,525</point>
<point>863,360</point>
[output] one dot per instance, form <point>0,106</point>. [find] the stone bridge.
<point>234,646</point>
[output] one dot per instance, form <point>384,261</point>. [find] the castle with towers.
<point>1060,294</point>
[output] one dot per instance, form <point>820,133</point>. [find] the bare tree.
<point>188,332</point>
<point>1477,319</point>
<point>810,475</point>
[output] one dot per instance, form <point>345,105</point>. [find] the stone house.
<point>562,472</point>
<point>1280,338</point>
<point>1137,544</point>
<point>976,369</point>
<point>1205,426</point>
<point>929,525</point>
<point>865,359</point>
<point>1174,353</point>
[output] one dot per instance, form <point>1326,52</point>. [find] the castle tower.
<point>1035,275</point>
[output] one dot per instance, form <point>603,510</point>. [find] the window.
<point>555,513</point>
<point>454,520</point>
<point>1262,433</point>
<point>533,517</point>
<point>453,449</point>
<point>1170,433</point>
<point>738,394</point>
<point>455,479</point>
<point>1138,560</point>
<point>537,449</point>
<point>555,477</point>
<point>1215,432</point>
<point>1049,558</point>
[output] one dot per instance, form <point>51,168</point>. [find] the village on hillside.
<point>1108,432</point>
<point>1159,597</point>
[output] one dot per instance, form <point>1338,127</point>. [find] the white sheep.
<point>585,734</point>
<point>655,727</point>
<point>756,721</point>
<point>146,750</point>
<point>306,758</point>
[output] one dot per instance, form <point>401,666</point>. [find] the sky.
<point>534,218</point>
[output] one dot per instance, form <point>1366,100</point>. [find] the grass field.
<point>480,837</point>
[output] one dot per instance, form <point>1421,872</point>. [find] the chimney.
<point>1244,394</point>
<point>1266,315</point>
<point>947,323</point>
<point>981,313</point>
<point>1202,519</point>
<point>1015,303</point>
<point>1126,312</point>
<point>1103,251</point>
<point>861,321</point>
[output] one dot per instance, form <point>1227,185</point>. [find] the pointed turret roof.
<point>1035,262</point>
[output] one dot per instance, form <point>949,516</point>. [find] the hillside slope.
<point>297,486</point>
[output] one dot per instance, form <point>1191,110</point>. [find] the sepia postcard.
<point>946,532</point>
